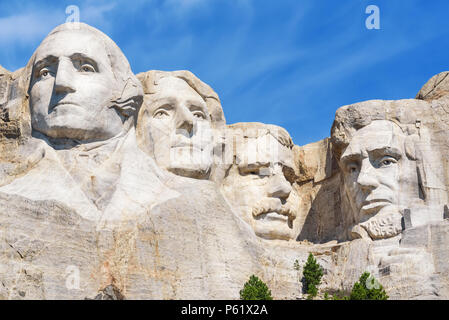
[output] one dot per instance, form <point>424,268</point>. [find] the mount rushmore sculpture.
<point>135,181</point>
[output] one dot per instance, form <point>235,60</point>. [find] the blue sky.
<point>285,62</point>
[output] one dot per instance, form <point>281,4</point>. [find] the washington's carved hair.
<point>128,97</point>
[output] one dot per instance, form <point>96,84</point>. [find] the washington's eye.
<point>44,73</point>
<point>87,68</point>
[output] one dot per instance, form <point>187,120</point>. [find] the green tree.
<point>312,274</point>
<point>368,288</point>
<point>255,289</point>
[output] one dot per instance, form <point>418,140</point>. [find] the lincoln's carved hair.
<point>411,116</point>
<point>351,118</point>
<point>129,96</point>
<point>150,81</point>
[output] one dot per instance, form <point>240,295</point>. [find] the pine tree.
<point>312,275</point>
<point>368,288</point>
<point>255,289</point>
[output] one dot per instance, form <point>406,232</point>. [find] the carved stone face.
<point>258,188</point>
<point>72,86</point>
<point>377,173</point>
<point>179,127</point>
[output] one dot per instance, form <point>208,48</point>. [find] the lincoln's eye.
<point>387,161</point>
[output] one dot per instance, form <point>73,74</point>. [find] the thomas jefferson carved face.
<point>377,172</point>
<point>72,86</point>
<point>179,128</point>
<point>259,189</point>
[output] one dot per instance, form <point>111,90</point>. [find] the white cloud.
<point>28,27</point>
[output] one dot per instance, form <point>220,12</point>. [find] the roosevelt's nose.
<point>279,186</point>
<point>184,120</point>
<point>367,179</point>
<point>64,78</point>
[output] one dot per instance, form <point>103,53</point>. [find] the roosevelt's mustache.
<point>272,205</point>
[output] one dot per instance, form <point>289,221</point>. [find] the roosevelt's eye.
<point>160,114</point>
<point>87,68</point>
<point>352,168</point>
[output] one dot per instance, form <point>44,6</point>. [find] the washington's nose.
<point>367,176</point>
<point>279,187</point>
<point>184,120</point>
<point>63,80</point>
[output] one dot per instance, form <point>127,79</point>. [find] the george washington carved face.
<point>73,83</point>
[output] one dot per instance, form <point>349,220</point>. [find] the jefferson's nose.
<point>279,186</point>
<point>367,179</point>
<point>184,120</point>
<point>63,80</point>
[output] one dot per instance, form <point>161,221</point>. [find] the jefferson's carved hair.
<point>150,81</point>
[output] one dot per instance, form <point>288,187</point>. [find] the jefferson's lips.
<point>374,203</point>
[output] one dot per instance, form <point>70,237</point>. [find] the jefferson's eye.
<point>160,114</point>
<point>87,68</point>
<point>199,114</point>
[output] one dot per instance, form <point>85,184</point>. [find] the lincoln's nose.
<point>367,179</point>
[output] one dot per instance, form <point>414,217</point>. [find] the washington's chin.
<point>273,226</point>
<point>66,129</point>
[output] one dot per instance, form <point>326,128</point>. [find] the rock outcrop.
<point>115,186</point>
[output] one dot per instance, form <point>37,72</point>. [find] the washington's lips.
<point>60,103</point>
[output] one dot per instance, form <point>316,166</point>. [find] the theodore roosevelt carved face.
<point>258,184</point>
<point>77,78</point>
